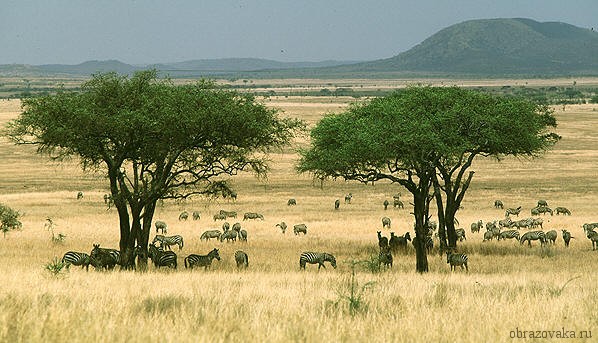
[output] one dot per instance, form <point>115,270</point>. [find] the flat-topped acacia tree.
<point>154,139</point>
<point>425,139</point>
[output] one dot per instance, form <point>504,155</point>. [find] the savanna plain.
<point>510,289</point>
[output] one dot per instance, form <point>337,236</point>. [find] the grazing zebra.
<point>251,215</point>
<point>316,257</point>
<point>397,203</point>
<point>385,257</point>
<point>162,258</point>
<point>542,203</point>
<point>219,216</point>
<point>562,210</point>
<point>385,222</point>
<point>79,195</point>
<point>205,261</point>
<point>551,236</point>
<point>541,210</point>
<point>566,237</point>
<point>498,204</point>
<point>242,259</point>
<point>160,225</point>
<point>455,260</point>
<point>76,258</point>
<point>230,235</point>
<point>488,236</point>
<point>537,222</point>
<point>243,235</point>
<point>196,215</point>
<point>225,226</point>
<point>291,202</point>
<point>300,228</point>
<point>514,211</point>
<point>475,227</point>
<point>227,214</point>
<point>210,234</point>
<point>508,234</point>
<point>337,204</point>
<point>237,227</point>
<point>460,234</point>
<point>589,226</point>
<point>505,222</point>
<point>348,198</point>
<point>382,241</point>
<point>103,257</point>
<point>167,241</point>
<point>386,203</point>
<point>593,237</point>
<point>282,226</point>
<point>533,236</point>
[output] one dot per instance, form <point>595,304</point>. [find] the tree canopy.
<point>422,137</point>
<point>156,140</point>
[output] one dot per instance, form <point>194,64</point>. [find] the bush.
<point>9,219</point>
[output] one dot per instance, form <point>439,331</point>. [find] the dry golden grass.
<point>508,286</point>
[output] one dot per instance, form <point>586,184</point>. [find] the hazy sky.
<point>146,31</point>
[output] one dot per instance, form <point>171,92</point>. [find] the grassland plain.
<point>509,288</point>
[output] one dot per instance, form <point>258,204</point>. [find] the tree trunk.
<point>419,242</point>
<point>450,224</point>
<point>441,217</point>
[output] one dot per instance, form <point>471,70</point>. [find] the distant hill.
<point>497,47</point>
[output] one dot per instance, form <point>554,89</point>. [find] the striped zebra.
<point>562,210</point>
<point>300,228</point>
<point>385,257</point>
<point>551,236</point>
<point>397,203</point>
<point>282,226</point>
<point>488,236</point>
<point>231,214</point>
<point>542,203</point>
<point>230,235</point>
<point>337,204</point>
<point>382,241</point>
<point>210,234</point>
<point>196,215</point>
<point>533,236</point>
<point>348,198</point>
<point>167,241</point>
<point>429,243</point>
<point>104,258</point>
<point>160,225</point>
<point>475,227</point>
<point>219,216</point>
<point>225,226</point>
<point>566,237</point>
<point>316,257</point>
<point>184,216</point>
<point>162,258</point>
<point>593,237</point>
<point>243,235</point>
<point>460,234</point>
<point>242,259</point>
<point>508,234</point>
<point>386,203</point>
<point>252,215</point>
<point>455,260</point>
<point>385,222</point>
<point>76,258</point>
<point>291,202</point>
<point>205,261</point>
<point>396,242</point>
<point>504,222</point>
<point>514,211</point>
<point>237,227</point>
<point>498,204</point>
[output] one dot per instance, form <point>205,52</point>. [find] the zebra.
<point>541,210</point>
<point>108,200</point>
<point>104,257</point>
<point>348,198</point>
<point>551,236</point>
<point>514,211</point>
<point>225,226</point>
<point>229,235</point>
<point>397,203</point>
<point>76,258</point>
<point>385,222</point>
<point>382,241</point>
<point>498,204</point>
<point>460,234</point>
<point>337,204</point>
<point>537,222</point>
<point>589,226</point>
<point>429,242</point>
<point>505,222</point>
<point>79,195</point>
<point>488,236</point>
<point>566,237</point>
<point>385,257</point>
<point>593,237</point>
<point>167,241</point>
<point>210,234</point>
<point>508,234</point>
<point>542,203</point>
<point>196,215</point>
<point>282,226</point>
<point>231,214</point>
<point>386,203</point>
<point>562,210</point>
<point>251,215</point>
<point>475,227</point>
<point>184,216</point>
<point>205,261</point>
<point>300,228</point>
<point>160,225</point>
<point>291,202</point>
<point>162,258</point>
<point>316,257</point>
<point>533,236</point>
<point>242,259</point>
<point>455,260</point>
<point>219,216</point>
<point>237,227</point>
<point>243,235</point>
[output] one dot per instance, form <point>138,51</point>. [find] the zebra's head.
<point>330,258</point>
<point>214,254</point>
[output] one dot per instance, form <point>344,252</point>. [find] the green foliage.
<point>354,293</point>
<point>9,219</point>
<point>56,267</point>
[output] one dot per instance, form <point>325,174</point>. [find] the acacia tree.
<point>423,138</point>
<point>155,140</point>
